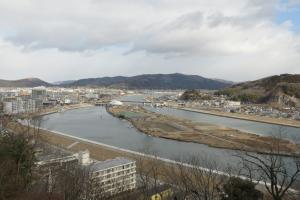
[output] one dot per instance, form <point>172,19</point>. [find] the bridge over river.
<point>103,103</point>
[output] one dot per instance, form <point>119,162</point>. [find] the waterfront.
<point>259,128</point>
<point>96,124</point>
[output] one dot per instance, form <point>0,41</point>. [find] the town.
<point>115,176</point>
<point>37,99</point>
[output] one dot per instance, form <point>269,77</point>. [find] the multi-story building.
<point>38,93</point>
<point>115,175</point>
<point>108,177</point>
<point>12,107</point>
<point>1,106</point>
<point>18,106</point>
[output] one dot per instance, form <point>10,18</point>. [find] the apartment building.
<point>19,106</point>
<point>115,175</point>
<point>38,92</point>
<point>109,177</point>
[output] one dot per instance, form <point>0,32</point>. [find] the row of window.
<point>129,178</point>
<point>117,169</point>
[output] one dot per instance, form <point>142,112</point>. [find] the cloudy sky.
<point>70,39</point>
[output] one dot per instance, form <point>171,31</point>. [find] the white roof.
<point>116,103</point>
<point>107,164</point>
<point>39,88</point>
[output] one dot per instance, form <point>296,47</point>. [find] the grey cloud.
<point>87,25</point>
<point>70,39</point>
<point>215,34</point>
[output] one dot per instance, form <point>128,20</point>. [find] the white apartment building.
<point>109,177</point>
<point>19,106</point>
<point>115,175</point>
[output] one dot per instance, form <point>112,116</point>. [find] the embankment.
<point>255,118</point>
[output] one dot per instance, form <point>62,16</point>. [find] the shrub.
<point>237,189</point>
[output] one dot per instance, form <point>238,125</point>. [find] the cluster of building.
<point>221,103</point>
<point>288,112</point>
<point>31,100</point>
<point>215,103</point>
<point>15,101</point>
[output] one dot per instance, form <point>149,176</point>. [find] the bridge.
<point>104,103</point>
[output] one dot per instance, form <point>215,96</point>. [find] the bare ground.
<point>169,127</point>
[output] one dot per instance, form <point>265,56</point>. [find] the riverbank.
<point>62,109</point>
<point>100,151</point>
<point>262,119</point>
<point>169,127</point>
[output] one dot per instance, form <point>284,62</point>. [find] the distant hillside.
<point>281,89</point>
<point>63,82</point>
<point>153,81</point>
<point>27,82</point>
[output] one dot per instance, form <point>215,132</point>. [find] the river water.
<point>264,129</point>
<point>95,124</point>
<point>259,128</point>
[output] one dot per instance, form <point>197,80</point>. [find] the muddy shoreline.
<point>261,119</point>
<point>210,135</point>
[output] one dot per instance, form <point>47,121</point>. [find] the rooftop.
<point>99,166</point>
<point>46,152</point>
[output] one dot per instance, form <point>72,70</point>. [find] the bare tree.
<point>277,173</point>
<point>151,171</point>
<point>202,183</point>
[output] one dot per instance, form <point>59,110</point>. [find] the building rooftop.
<point>99,166</point>
<point>115,103</point>
<point>39,88</point>
<point>46,152</point>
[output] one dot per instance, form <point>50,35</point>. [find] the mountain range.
<point>146,81</point>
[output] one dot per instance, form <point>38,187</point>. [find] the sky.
<point>235,40</point>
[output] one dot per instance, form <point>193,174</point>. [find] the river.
<point>95,124</point>
<point>259,128</point>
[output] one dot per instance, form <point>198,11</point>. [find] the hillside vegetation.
<point>27,82</point>
<point>280,90</point>
<point>194,95</point>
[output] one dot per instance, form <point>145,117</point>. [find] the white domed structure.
<point>115,103</point>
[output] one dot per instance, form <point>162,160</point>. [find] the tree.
<point>17,160</point>
<point>150,170</point>
<point>74,182</point>
<point>236,189</point>
<point>202,183</point>
<point>278,174</point>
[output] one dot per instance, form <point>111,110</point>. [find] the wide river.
<point>95,124</point>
